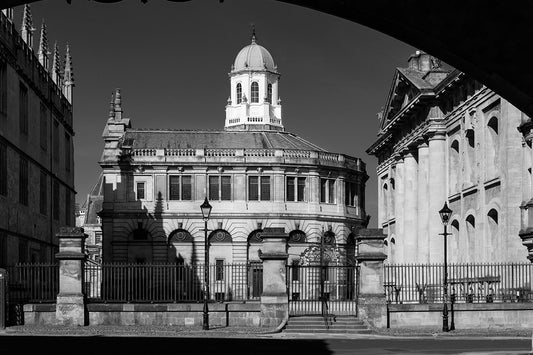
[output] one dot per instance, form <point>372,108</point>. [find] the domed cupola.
<point>254,102</point>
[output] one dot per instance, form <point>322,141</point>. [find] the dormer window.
<point>239,93</point>
<point>255,92</point>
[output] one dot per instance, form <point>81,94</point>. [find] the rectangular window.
<point>180,188</point>
<point>174,187</point>
<point>67,152</point>
<point>98,238</point>
<point>3,87</point>
<point>219,269</point>
<point>43,128</point>
<point>55,151</point>
<point>253,188</point>
<point>226,188</point>
<point>55,201</point>
<point>265,188</point>
<point>290,188</point>
<point>296,189</point>
<point>301,189</point>
<point>23,181</point>
<point>43,193</point>
<point>351,194</point>
<point>140,191</point>
<point>327,190</point>
<point>23,109</point>
<point>186,188</point>
<point>68,208</point>
<point>3,169</point>
<point>220,188</point>
<point>213,187</point>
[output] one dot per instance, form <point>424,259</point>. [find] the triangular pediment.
<point>407,85</point>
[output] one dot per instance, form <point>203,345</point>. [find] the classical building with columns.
<point>444,137</point>
<point>254,173</point>
<point>36,142</point>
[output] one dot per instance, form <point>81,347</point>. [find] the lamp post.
<point>445,214</point>
<point>206,211</point>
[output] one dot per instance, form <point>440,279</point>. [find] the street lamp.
<point>445,214</point>
<point>206,211</point>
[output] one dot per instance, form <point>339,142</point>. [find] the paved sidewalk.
<point>249,332</point>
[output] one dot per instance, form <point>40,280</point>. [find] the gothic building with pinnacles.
<point>444,137</point>
<point>36,143</point>
<point>254,173</point>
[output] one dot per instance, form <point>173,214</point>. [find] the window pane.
<point>23,181</point>
<point>186,188</point>
<point>239,93</point>
<point>213,188</point>
<point>23,109</point>
<point>255,92</point>
<point>301,189</point>
<point>226,188</point>
<point>323,190</point>
<point>331,188</point>
<point>67,207</point>
<point>174,187</point>
<point>140,190</point>
<point>290,189</point>
<point>56,200</point>
<point>347,193</point>
<point>3,87</point>
<point>269,93</point>
<point>253,188</point>
<point>56,141</point>
<point>265,188</point>
<point>43,127</point>
<point>67,152</point>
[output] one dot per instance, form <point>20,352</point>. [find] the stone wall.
<point>467,316</point>
<point>184,314</point>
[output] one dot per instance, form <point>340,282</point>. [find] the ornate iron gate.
<point>319,290</point>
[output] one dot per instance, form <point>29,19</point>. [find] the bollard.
<point>3,294</point>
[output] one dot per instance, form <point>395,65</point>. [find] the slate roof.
<point>183,139</point>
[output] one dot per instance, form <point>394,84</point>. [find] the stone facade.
<point>36,144</point>
<point>254,174</point>
<point>444,137</point>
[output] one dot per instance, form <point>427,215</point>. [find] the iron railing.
<point>170,283</point>
<point>322,290</point>
<point>467,283</point>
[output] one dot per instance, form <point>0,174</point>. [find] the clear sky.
<point>171,62</point>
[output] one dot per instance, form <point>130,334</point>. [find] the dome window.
<point>255,92</point>
<point>239,93</point>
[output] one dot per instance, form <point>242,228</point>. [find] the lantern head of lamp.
<point>206,209</point>
<point>445,214</point>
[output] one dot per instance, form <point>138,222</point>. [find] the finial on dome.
<point>253,34</point>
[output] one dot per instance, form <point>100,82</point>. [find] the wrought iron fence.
<point>30,283</point>
<point>322,290</point>
<point>172,282</point>
<point>467,283</point>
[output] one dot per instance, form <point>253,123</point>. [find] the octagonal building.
<point>253,172</point>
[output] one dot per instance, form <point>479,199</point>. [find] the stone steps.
<point>316,324</point>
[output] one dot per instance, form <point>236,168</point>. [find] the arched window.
<point>269,93</point>
<point>455,242</point>
<point>471,239</point>
<point>386,202</point>
<point>470,156</point>
<point>495,249</point>
<point>239,93</point>
<point>297,236</point>
<point>255,92</point>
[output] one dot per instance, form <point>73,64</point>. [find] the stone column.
<point>410,207</point>
<point>371,255</point>
<point>422,204</point>
<point>70,307</point>
<point>399,209</point>
<point>274,300</point>
<point>437,193</point>
<point>526,230</point>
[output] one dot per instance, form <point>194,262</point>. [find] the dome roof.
<point>254,57</point>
